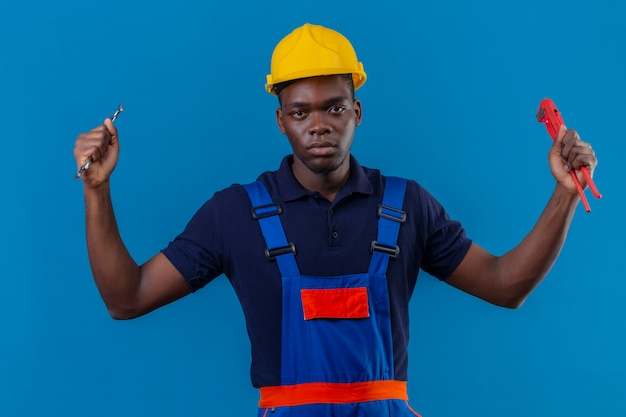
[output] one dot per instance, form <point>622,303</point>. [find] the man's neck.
<point>327,184</point>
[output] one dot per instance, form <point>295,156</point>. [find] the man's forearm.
<point>522,268</point>
<point>115,272</point>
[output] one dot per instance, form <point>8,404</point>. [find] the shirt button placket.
<point>335,233</point>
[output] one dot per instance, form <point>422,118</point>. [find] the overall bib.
<point>336,352</point>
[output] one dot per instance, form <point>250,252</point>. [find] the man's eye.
<point>297,113</point>
<point>336,109</point>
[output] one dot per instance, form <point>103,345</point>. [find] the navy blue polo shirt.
<point>330,239</point>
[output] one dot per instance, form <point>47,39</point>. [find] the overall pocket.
<point>335,303</point>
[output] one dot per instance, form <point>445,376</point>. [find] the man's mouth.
<point>321,148</point>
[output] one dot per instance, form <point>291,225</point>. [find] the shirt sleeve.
<point>196,252</point>
<point>446,243</point>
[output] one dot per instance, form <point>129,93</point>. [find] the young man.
<point>323,253</point>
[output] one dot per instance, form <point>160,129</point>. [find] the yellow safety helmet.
<point>311,51</point>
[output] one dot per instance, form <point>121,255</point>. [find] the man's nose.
<point>319,124</point>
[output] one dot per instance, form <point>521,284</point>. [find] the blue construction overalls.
<point>336,353</point>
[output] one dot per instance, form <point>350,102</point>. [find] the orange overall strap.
<point>332,393</point>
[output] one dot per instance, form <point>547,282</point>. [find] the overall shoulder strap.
<point>390,217</point>
<point>266,211</point>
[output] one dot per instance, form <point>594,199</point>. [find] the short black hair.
<point>278,88</point>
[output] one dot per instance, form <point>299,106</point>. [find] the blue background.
<point>451,97</point>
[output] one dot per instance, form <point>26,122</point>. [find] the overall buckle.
<point>265,210</point>
<point>393,252</point>
<point>271,254</point>
<point>391,213</point>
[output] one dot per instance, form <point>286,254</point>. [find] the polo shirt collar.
<point>290,189</point>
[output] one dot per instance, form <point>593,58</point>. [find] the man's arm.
<point>128,290</point>
<point>508,279</point>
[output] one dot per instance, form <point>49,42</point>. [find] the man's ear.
<point>279,120</point>
<point>358,111</point>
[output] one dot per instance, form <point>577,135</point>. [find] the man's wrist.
<point>103,188</point>
<point>564,194</point>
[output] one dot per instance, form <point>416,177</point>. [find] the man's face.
<point>319,117</point>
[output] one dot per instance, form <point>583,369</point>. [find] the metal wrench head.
<point>120,109</point>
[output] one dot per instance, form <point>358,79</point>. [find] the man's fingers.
<point>576,153</point>
<point>561,134</point>
<point>112,131</point>
<point>556,151</point>
<point>569,153</point>
<point>582,155</point>
<point>100,146</point>
<point>92,144</point>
